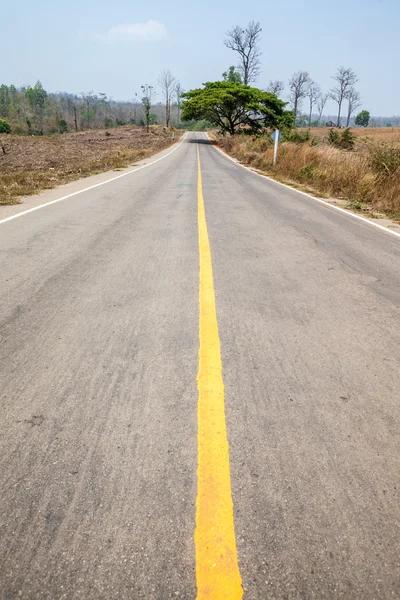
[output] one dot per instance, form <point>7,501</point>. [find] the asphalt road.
<point>99,326</point>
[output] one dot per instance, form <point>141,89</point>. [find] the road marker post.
<point>276,137</point>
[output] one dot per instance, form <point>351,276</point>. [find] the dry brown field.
<point>30,164</point>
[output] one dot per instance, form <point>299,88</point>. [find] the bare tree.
<point>167,82</point>
<point>147,98</point>
<point>276,87</point>
<point>135,107</point>
<point>354,99</point>
<point>313,94</point>
<point>178,97</point>
<point>345,79</point>
<point>71,106</point>
<point>322,100</point>
<point>89,100</point>
<point>298,85</point>
<point>245,42</point>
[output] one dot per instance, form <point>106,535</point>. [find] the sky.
<point>115,47</point>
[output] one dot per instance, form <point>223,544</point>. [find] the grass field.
<point>32,164</point>
<point>387,135</point>
<point>366,178</point>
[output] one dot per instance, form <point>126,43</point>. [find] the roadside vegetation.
<point>50,138</point>
<point>340,158</point>
<point>362,171</point>
<point>30,164</point>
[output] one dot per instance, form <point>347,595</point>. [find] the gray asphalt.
<point>98,355</point>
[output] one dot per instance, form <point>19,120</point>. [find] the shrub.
<point>4,126</point>
<point>344,141</point>
<point>385,159</point>
<point>63,127</point>
<point>347,140</point>
<point>306,173</point>
<point>108,122</point>
<point>201,125</point>
<point>333,137</point>
<point>296,136</point>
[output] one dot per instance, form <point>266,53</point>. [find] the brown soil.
<point>32,164</point>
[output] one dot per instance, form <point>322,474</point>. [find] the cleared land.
<point>32,164</point>
<point>387,135</point>
<point>366,178</point>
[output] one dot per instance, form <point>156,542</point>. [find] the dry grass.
<point>367,178</point>
<point>32,164</point>
<point>387,135</point>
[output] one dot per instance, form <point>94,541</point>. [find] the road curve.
<point>99,355</point>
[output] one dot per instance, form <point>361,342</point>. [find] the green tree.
<point>37,97</point>
<point>362,119</point>
<point>147,97</point>
<point>233,107</point>
<point>5,100</point>
<point>63,126</point>
<point>232,75</point>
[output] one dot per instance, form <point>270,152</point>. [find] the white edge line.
<point>342,210</point>
<point>29,210</point>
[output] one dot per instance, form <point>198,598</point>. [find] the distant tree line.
<point>35,111</point>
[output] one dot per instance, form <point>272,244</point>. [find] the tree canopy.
<point>234,107</point>
<point>362,119</point>
<point>232,75</point>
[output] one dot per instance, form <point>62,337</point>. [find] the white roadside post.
<point>276,136</point>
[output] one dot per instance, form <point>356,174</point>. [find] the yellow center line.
<point>217,569</point>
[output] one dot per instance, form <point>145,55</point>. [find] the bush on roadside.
<point>344,141</point>
<point>296,136</point>
<point>4,126</point>
<point>347,140</point>
<point>385,159</point>
<point>368,175</point>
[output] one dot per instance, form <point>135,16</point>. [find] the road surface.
<point>116,479</point>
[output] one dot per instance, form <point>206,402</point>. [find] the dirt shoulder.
<point>33,164</point>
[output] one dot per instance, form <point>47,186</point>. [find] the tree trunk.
<point>340,110</point>
<point>310,117</point>
<point>295,111</point>
<point>40,126</point>
<point>75,119</point>
<point>246,75</point>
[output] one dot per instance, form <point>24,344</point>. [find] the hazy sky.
<point>115,46</point>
